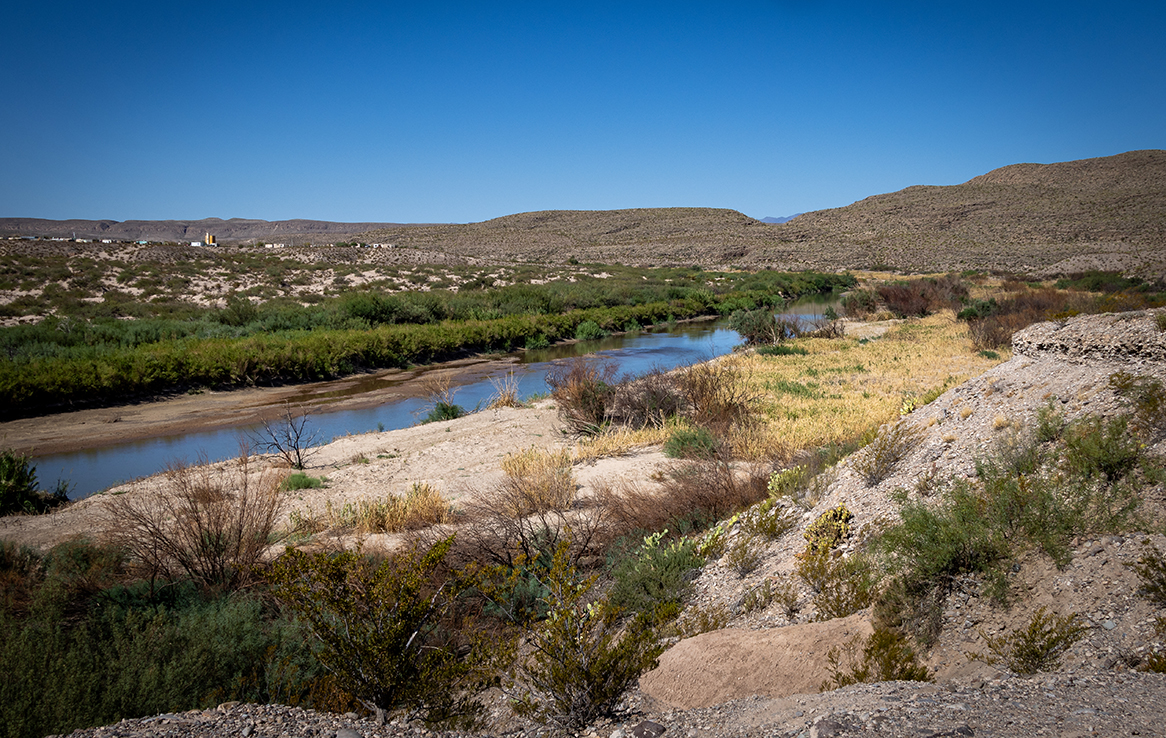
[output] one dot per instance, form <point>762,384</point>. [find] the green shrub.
<point>584,659</point>
<point>1160,321</point>
<point>1049,423</point>
<point>691,443</point>
<point>1097,446</point>
<point>744,554</point>
<point>1151,570</point>
<point>789,482</point>
<point>94,651</point>
<point>886,657</point>
<point>782,350</point>
<point>589,330</point>
<point>841,585</point>
<point>299,480</point>
<point>859,303</point>
<point>390,633</point>
<point>1146,397</point>
<point>763,327</point>
<point>891,445</point>
<point>444,411</point>
<point>1040,646</point>
<point>828,530</point>
<point>768,520</point>
<point>654,575</point>
<point>978,309</point>
<point>239,311</point>
<point>537,341</point>
<point>17,483</point>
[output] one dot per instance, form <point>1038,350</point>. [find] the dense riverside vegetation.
<point>105,355</point>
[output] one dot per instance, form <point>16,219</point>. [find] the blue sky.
<point>460,112</point>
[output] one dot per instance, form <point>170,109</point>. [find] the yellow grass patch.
<point>843,388</point>
<point>617,441</point>
<point>540,480</point>
<point>422,506</point>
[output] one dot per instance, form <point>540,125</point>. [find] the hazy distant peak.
<point>775,220</point>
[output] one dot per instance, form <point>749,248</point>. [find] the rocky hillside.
<point>1106,213</point>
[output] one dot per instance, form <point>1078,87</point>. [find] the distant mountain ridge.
<point>233,231</point>
<point>1041,219</point>
<point>777,221</point>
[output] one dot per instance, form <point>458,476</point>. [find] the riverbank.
<point>209,410</point>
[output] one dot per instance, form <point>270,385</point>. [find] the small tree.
<point>584,657</point>
<point>392,633</point>
<point>288,437</point>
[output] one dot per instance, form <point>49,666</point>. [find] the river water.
<point>93,470</point>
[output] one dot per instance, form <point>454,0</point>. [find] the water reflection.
<point>97,469</point>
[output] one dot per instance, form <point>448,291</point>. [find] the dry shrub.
<point>422,506</point>
<point>647,401</point>
<point>505,392</point>
<point>583,390</point>
<point>617,442</point>
<point>717,395</point>
<point>923,296</point>
<point>529,514</point>
<point>1025,307</point>
<point>211,524</point>
<point>540,480</point>
<point>904,300</point>
<point>692,494</point>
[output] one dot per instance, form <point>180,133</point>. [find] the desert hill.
<point>1107,213</point>
<point>1043,219</point>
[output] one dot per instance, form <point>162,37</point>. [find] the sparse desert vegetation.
<point>810,475</point>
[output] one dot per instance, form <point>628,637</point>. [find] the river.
<point>92,470</point>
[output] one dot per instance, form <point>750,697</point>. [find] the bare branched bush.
<point>211,524</point>
<point>717,395</point>
<point>692,495</point>
<point>583,390</point>
<point>647,401</point>
<point>288,437</point>
<point>497,531</point>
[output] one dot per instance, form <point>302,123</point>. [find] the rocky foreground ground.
<point>757,677</point>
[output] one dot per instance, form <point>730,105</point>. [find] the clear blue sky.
<point>459,112</point>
